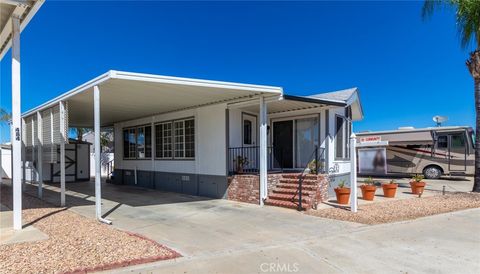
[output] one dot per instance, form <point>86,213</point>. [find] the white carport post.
<point>40,154</point>
<point>263,150</point>
<point>63,139</point>
<point>16,126</point>
<point>353,173</point>
<point>98,152</point>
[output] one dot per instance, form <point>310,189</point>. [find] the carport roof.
<point>25,9</point>
<point>127,96</point>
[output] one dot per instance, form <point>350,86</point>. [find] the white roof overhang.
<point>127,96</point>
<point>288,103</point>
<point>356,105</point>
<point>25,10</point>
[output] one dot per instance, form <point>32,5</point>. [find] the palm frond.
<point>467,17</point>
<point>5,116</point>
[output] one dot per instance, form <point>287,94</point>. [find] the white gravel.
<point>76,244</point>
<point>400,210</point>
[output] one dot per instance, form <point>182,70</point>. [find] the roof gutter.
<point>314,101</point>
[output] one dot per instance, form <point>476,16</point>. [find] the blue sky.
<point>407,69</point>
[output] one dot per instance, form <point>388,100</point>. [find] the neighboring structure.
<point>189,135</point>
<point>434,152</point>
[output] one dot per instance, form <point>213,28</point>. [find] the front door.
<point>283,144</point>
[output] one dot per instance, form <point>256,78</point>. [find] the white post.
<point>353,173</point>
<point>98,151</point>
<point>62,153</point>
<point>16,126</point>
<point>1,167</point>
<point>96,144</point>
<point>24,171</point>
<point>263,150</point>
<point>40,154</point>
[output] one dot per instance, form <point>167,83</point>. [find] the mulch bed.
<point>76,244</point>
<point>401,210</point>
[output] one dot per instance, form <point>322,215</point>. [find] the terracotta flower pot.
<point>368,192</point>
<point>343,195</point>
<point>417,187</point>
<point>389,190</point>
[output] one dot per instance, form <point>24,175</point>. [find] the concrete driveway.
<point>219,236</point>
<point>195,226</point>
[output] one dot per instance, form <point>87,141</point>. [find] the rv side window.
<point>442,142</point>
<point>458,141</point>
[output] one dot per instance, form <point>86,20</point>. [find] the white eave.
<point>25,10</point>
<point>128,95</point>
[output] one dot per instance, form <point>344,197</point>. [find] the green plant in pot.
<point>417,184</point>
<point>240,163</point>
<point>368,189</point>
<point>390,189</point>
<point>342,193</point>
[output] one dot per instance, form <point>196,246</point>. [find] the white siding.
<point>210,143</point>
<point>343,165</point>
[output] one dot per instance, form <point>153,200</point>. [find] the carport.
<point>118,96</point>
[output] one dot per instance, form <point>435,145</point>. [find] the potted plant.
<point>240,163</point>
<point>389,189</point>
<point>368,189</point>
<point>417,184</point>
<point>342,193</point>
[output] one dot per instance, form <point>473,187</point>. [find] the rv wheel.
<point>432,172</point>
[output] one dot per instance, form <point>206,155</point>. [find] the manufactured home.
<point>202,137</point>
<point>434,152</point>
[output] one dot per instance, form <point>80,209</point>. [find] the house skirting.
<point>212,186</point>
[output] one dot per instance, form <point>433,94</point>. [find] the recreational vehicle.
<point>433,152</point>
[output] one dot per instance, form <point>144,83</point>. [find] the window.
<point>442,142</point>
<point>343,129</point>
<point>137,142</point>
<point>175,139</point>
<point>189,138</point>
<point>458,141</point>
<point>247,132</point>
<point>129,143</point>
<point>163,137</point>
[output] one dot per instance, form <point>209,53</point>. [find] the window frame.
<point>173,139</point>
<point>136,152</point>
<point>346,128</point>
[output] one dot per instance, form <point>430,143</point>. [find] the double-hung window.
<point>343,128</point>
<point>137,142</point>
<point>163,138</point>
<point>175,139</point>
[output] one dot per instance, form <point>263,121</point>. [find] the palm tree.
<point>5,116</point>
<point>468,23</point>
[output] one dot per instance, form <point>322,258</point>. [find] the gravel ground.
<point>401,210</point>
<point>75,245</point>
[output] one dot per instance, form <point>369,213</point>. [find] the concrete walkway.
<point>10,236</point>
<point>447,243</point>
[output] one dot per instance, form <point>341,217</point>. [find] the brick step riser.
<point>305,200</point>
<point>295,176</point>
<point>292,186</point>
<point>294,181</point>
<point>292,191</point>
<point>290,205</point>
